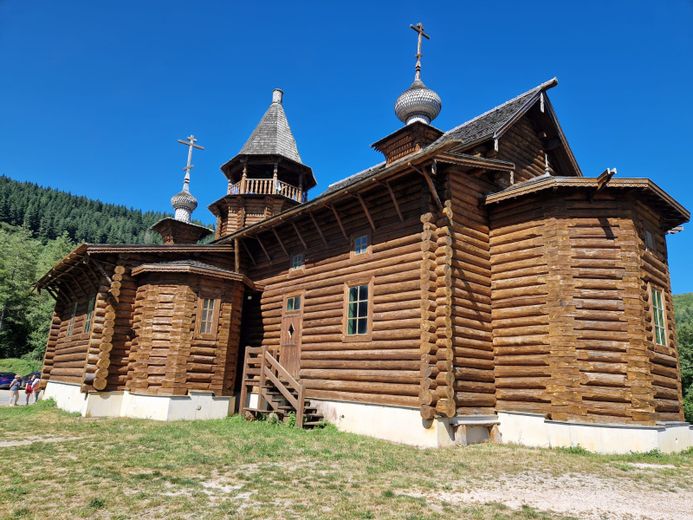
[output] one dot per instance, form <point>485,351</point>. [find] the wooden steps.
<point>277,390</point>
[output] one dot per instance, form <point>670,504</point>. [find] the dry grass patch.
<point>126,468</point>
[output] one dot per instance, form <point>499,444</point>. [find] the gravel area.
<point>585,496</point>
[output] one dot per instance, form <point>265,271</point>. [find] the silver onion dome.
<point>184,202</point>
<point>418,103</point>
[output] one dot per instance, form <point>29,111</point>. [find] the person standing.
<point>36,387</point>
<point>14,390</point>
<point>28,388</point>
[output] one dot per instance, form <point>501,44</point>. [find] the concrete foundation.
<point>195,405</point>
<point>536,431</point>
<point>393,423</point>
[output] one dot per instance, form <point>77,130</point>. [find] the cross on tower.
<point>190,143</point>
<point>419,28</point>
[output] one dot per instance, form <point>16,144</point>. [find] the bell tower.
<point>266,177</point>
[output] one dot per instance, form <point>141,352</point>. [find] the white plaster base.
<point>195,405</point>
<point>392,423</point>
<point>536,431</point>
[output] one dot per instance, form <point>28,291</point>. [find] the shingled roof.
<point>485,126</point>
<point>272,136</point>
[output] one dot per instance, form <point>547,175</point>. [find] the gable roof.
<point>272,136</point>
<point>489,125</point>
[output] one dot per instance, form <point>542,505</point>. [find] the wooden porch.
<point>276,389</point>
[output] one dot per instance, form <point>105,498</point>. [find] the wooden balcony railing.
<point>266,187</point>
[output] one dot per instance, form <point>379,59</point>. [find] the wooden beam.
<point>247,250</point>
<point>339,221</point>
<point>300,237</point>
<point>394,200</point>
<point>281,244</point>
<point>431,186</point>
<point>365,210</point>
<point>103,272</point>
<point>315,222</point>
<point>236,255</point>
<point>605,177</point>
<point>262,246</point>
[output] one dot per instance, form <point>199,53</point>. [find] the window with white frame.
<point>658,312</point>
<point>293,303</point>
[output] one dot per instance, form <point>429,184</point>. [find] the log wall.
<point>383,368</point>
<point>471,295</point>
<point>572,326</point>
<point>66,355</point>
<point>521,145</point>
<point>168,356</point>
<point>664,359</point>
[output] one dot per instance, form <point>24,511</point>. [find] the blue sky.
<point>95,94</point>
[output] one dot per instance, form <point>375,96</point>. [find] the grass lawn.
<point>19,366</point>
<point>127,468</point>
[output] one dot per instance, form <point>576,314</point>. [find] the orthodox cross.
<point>190,143</point>
<point>419,28</point>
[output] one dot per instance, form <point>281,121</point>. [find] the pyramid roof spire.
<point>272,136</point>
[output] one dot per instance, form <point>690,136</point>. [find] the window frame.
<point>89,315</point>
<point>71,323</point>
<point>301,267</point>
<point>346,337</point>
<point>216,309</point>
<point>352,244</point>
<point>293,296</point>
<point>659,319</point>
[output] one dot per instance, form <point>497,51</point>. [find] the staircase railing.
<point>262,371</point>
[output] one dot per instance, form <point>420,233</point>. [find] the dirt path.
<point>30,440</point>
<point>585,496</point>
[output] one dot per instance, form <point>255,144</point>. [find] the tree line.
<point>48,214</point>
<point>38,226</point>
<point>683,310</point>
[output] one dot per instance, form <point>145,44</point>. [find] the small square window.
<point>298,261</point>
<point>293,303</point>
<point>360,244</point>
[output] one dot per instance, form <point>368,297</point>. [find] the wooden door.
<point>292,327</point>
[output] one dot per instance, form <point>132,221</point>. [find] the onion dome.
<point>184,202</point>
<point>418,103</point>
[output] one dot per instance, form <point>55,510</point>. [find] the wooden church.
<point>474,285</point>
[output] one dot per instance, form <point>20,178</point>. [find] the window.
<point>649,240</point>
<point>357,310</point>
<point>71,324</point>
<point>360,244</point>
<point>658,311</point>
<point>90,313</point>
<point>293,303</point>
<point>298,261</point>
<point>207,316</point>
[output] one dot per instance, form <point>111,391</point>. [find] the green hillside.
<point>683,309</point>
<point>49,213</point>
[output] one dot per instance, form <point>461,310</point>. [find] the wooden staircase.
<point>277,391</point>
